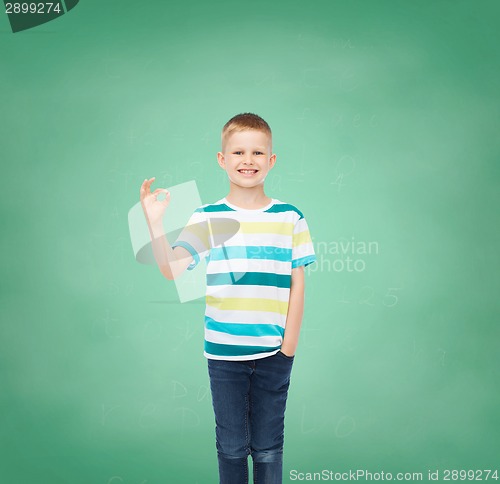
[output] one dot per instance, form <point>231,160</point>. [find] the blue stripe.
<point>236,350</point>
<point>242,329</point>
<point>303,261</point>
<point>190,249</point>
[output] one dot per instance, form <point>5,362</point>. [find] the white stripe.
<point>240,358</point>
<point>249,265</point>
<point>281,294</point>
<point>224,339</point>
<point>303,250</point>
<point>259,239</point>
<point>300,226</point>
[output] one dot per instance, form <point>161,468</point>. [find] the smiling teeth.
<point>247,171</point>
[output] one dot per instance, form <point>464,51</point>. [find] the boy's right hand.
<point>153,208</point>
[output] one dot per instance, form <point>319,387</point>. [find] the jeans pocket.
<point>289,358</point>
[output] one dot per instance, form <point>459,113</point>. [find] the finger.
<point>158,191</point>
<point>166,200</point>
<point>161,190</point>
<point>143,187</point>
<point>150,182</point>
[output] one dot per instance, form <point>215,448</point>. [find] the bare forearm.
<point>162,251</point>
<point>293,319</point>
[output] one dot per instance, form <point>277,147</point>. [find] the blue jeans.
<point>249,401</point>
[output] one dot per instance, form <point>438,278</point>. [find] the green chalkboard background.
<point>386,123</point>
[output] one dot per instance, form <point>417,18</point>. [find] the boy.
<point>254,300</point>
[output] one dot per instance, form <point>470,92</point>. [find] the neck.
<point>248,197</point>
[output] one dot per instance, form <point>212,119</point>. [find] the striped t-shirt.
<point>250,254</point>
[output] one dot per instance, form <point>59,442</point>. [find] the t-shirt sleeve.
<point>195,237</point>
<point>302,246</point>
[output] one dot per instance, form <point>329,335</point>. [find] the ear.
<point>221,160</point>
<point>272,160</point>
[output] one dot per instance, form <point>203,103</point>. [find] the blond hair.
<point>242,122</point>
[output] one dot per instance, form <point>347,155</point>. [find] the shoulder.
<point>217,206</point>
<point>289,208</point>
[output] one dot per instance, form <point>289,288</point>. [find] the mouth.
<point>248,172</point>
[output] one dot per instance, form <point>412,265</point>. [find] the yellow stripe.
<point>301,238</point>
<point>248,304</point>
<point>198,230</point>
<point>280,228</point>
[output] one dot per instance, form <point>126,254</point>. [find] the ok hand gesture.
<point>153,208</point>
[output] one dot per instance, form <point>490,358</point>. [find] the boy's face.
<point>247,150</point>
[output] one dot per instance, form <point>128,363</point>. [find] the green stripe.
<point>236,350</point>
<point>244,329</point>
<point>221,207</point>
<point>249,279</point>
<point>276,208</point>
<point>284,207</point>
